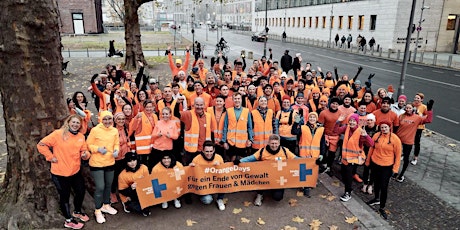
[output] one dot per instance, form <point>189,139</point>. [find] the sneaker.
<point>113,198</point>
<point>81,216</point>
<point>125,207</point>
<point>177,203</point>
<point>99,216</point>
<point>106,208</point>
<point>357,179</point>
<point>383,213</point>
<point>164,205</point>
<point>345,197</point>
<point>400,179</point>
<point>364,188</point>
<point>146,212</point>
<point>258,200</point>
<point>73,224</point>
<point>220,204</point>
<point>370,189</point>
<point>373,202</point>
<point>326,170</point>
<point>414,161</point>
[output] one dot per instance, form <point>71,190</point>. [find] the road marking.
<point>458,75</point>
<point>385,62</point>
<point>437,71</point>
<point>417,67</point>
<point>447,119</point>
<point>391,71</point>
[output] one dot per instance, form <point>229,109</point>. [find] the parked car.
<point>259,37</point>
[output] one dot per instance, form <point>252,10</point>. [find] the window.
<point>350,22</point>
<point>293,21</point>
<point>317,22</point>
<point>451,22</point>
<point>361,22</point>
<point>340,22</point>
<point>298,21</point>
<point>284,22</point>
<point>289,22</point>
<point>332,21</point>
<point>78,27</point>
<point>309,23</point>
<point>373,22</point>
<point>324,21</point>
<point>304,21</point>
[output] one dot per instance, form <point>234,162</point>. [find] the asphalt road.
<point>440,84</point>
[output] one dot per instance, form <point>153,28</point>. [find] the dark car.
<point>259,37</point>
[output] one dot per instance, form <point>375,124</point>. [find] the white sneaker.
<point>177,203</point>
<point>99,216</point>
<point>370,189</point>
<point>220,204</point>
<point>364,188</point>
<point>258,200</point>
<point>413,162</point>
<point>164,205</point>
<point>106,208</point>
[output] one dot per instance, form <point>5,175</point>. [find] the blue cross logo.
<point>157,188</point>
<point>304,172</point>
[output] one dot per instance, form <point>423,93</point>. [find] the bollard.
<point>399,54</point>
<point>380,52</point>
<point>389,53</point>
<point>250,55</point>
<point>68,51</point>
<point>435,56</point>
<point>304,40</point>
<point>449,61</point>
<point>365,49</point>
<point>410,55</point>
<point>87,52</point>
<point>175,51</point>
<point>421,57</point>
<point>105,52</point>
<point>158,49</point>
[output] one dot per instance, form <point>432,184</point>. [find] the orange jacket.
<point>172,64</point>
<point>67,151</point>
<point>217,126</point>
<point>101,136</point>
<point>206,97</point>
<point>282,154</point>
<point>386,151</point>
<point>126,179</point>
<point>160,168</point>
<point>164,127</point>
<point>199,160</point>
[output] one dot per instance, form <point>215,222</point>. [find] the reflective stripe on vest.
<point>262,128</point>
<point>310,146</point>
<point>144,138</point>
<point>284,126</point>
<point>350,147</point>
<point>191,136</point>
<point>237,132</point>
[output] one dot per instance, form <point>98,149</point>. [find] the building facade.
<point>386,21</point>
<point>80,16</point>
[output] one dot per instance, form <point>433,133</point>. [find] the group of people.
<point>361,41</point>
<point>230,113</point>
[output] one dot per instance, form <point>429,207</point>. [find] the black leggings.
<point>381,175</point>
<point>406,153</point>
<point>418,136</point>
<point>63,185</point>
<point>119,166</point>
<point>347,176</point>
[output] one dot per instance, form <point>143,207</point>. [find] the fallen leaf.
<point>232,227</point>
<point>452,145</point>
<point>351,220</point>
<point>287,227</point>
<point>237,210</point>
<point>225,200</point>
<point>336,183</point>
<point>260,221</point>
<point>299,193</point>
<point>247,203</point>
<point>314,224</point>
<point>245,220</point>
<point>298,219</point>
<point>330,198</point>
<point>333,227</point>
<point>292,202</point>
<point>323,196</point>
<point>190,222</point>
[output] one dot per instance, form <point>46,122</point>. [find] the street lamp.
<point>419,28</point>
<point>266,28</point>
<point>193,32</point>
<point>406,51</point>
<point>330,27</point>
<point>206,21</point>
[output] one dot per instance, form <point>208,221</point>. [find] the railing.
<point>104,53</point>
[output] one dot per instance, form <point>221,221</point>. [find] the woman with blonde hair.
<point>64,148</point>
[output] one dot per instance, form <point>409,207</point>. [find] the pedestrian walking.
<point>349,40</point>
<point>284,36</point>
<point>343,39</point>
<point>337,38</point>
<point>372,43</point>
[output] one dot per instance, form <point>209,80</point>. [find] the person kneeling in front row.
<point>273,151</point>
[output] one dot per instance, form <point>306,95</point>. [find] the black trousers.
<point>381,175</point>
<point>406,153</point>
<point>347,176</point>
<point>277,194</point>
<point>63,185</point>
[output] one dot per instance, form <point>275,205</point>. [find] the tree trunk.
<point>33,104</point>
<point>133,35</point>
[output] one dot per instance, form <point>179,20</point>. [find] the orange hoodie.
<point>67,151</point>
<point>101,136</point>
<point>386,151</point>
<point>164,127</point>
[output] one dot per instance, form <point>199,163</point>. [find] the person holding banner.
<point>238,133</point>
<point>312,142</point>
<point>127,185</point>
<point>168,162</point>
<point>209,158</point>
<point>273,151</point>
<point>353,154</point>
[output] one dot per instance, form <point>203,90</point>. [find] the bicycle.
<point>224,50</point>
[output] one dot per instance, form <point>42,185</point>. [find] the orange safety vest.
<point>329,83</point>
<point>351,152</point>
<point>237,133</point>
<point>284,126</point>
<point>217,128</point>
<point>310,146</point>
<point>144,138</point>
<point>262,128</point>
<point>312,105</point>
<point>161,105</point>
<point>191,135</point>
